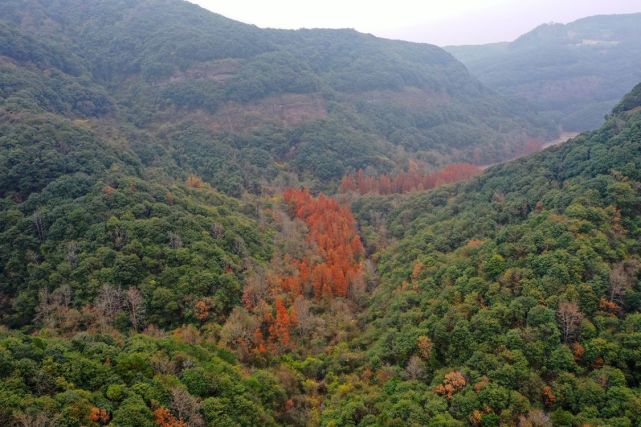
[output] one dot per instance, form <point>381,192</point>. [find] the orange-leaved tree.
<point>164,418</point>
<point>406,182</point>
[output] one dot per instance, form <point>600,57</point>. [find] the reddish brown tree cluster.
<point>272,325</point>
<point>332,230</point>
<point>326,271</point>
<point>201,310</point>
<point>548,396</point>
<point>99,415</point>
<point>194,181</point>
<point>279,329</point>
<point>453,382</point>
<point>164,418</point>
<point>406,182</point>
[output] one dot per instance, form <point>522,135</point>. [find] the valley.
<point>208,223</point>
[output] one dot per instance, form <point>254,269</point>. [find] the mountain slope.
<point>574,73</point>
<point>151,273</point>
<point>322,102</point>
<point>513,298</point>
<point>131,114</point>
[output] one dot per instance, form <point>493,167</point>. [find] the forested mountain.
<point>573,73</point>
<point>124,121</point>
<point>162,262</point>
<point>511,299</point>
<point>316,103</point>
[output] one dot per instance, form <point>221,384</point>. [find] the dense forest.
<point>200,87</point>
<point>555,67</point>
<point>205,223</point>
<point>510,299</point>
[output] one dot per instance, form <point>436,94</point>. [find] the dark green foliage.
<point>129,379</point>
<point>630,101</point>
<point>40,76</point>
<point>35,151</point>
<point>127,233</point>
<point>169,62</point>
<point>141,145</point>
<point>491,272</point>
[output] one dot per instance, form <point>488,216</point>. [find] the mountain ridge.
<point>553,67</point>
<point>158,67</point>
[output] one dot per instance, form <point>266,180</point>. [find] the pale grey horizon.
<point>452,22</point>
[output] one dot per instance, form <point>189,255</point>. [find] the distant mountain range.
<point>573,74</point>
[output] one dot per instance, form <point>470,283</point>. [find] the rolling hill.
<point>574,74</point>
<point>201,87</point>
<point>512,299</point>
<point>161,263</point>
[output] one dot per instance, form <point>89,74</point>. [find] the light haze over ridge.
<point>450,22</point>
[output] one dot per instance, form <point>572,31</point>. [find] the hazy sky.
<point>441,22</point>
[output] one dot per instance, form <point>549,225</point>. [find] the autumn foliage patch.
<point>164,418</point>
<point>406,182</point>
<point>329,270</point>
<point>332,230</point>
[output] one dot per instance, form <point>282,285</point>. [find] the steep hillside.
<point>573,73</point>
<point>113,112</point>
<point>155,272</point>
<point>318,102</point>
<point>513,298</point>
<point>126,124</point>
<point>80,212</point>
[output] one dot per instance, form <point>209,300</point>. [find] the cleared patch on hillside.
<point>219,71</point>
<point>283,110</point>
